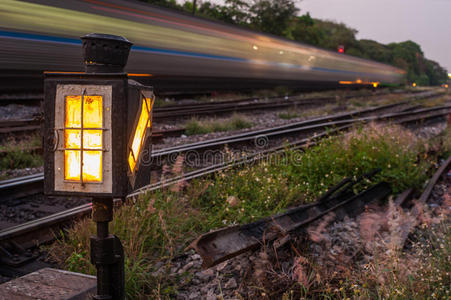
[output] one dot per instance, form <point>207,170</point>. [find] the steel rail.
<point>23,125</point>
<point>284,131</point>
<point>290,129</point>
<point>37,231</point>
<point>433,181</point>
<point>340,116</point>
<point>283,98</point>
<point>208,109</point>
<point>21,186</point>
<point>220,245</point>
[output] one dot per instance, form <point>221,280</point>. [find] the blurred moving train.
<point>169,47</point>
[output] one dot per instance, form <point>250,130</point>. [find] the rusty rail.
<point>223,244</point>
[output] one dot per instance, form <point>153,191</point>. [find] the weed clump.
<point>16,154</point>
<point>236,122</point>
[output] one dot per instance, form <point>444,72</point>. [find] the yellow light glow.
<point>72,138</point>
<point>131,162</point>
<point>414,84</point>
<point>375,84</point>
<point>92,166</point>
<point>149,105</point>
<point>92,139</point>
<point>92,112</point>
<point>72,165</point>
<point>139,75</point>
<point>88,137</point>
<point>73,111</point>
<point>449,75</point>
<point>143,123</point>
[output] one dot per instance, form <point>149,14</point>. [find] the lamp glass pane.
<point>73,111</point>
<point>92,139</point>
<point>149,105</point>
<point>88,137</point>
<point>92,112</point>
<point>92,166</point>
<point>72,138</point>
<point>131,162</point>
<point>72,165</point>
<point>143,124</point>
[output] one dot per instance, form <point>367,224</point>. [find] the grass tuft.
<point>236,122</point>
<point>15,154</point>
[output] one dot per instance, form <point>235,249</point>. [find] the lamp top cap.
<point>105,53</point>
<point>104,36</point>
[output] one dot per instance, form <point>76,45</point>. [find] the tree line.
<point>281,18</point>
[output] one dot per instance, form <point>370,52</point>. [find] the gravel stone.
<point>231,284</point>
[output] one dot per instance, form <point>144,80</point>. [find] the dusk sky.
<point>426,22</point>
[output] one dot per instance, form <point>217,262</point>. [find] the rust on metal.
<point>223,244</point>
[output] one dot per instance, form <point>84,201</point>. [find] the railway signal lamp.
<point>341,49</point>
<point>97,143</point>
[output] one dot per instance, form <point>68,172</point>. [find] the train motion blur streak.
<point>44,35</point>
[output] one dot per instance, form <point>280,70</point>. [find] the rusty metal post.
<point>106,253</point>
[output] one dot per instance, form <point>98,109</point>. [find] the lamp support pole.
<point>107,253</point>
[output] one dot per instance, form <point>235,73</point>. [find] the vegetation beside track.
<point>159,226</point>
<point>18,153</point>
<point>196,126</point>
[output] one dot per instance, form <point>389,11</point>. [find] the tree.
<point>375,51</point>
<point>335,34</point>
<point>304,30</point>
<point>272,16</point>
<point>164,3</point>
<point>237,11</point>
<point>436,74</point>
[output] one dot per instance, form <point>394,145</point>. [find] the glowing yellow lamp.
<point>83,138</point>
<point>143,123</point>
<point>97,125</point>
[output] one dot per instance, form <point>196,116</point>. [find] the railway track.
<point>257,141</point>
<point>197,110</point>
<point>39,231</point>
<point>265,138</point>
<point>220,245</point>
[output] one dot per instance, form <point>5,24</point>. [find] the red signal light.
<point>341,49</point>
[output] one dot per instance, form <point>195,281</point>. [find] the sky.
<point>426,22</point>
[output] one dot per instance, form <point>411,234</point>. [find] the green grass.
<point>16,154</point>
<point>236,122</point>
<point>163,223</point>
